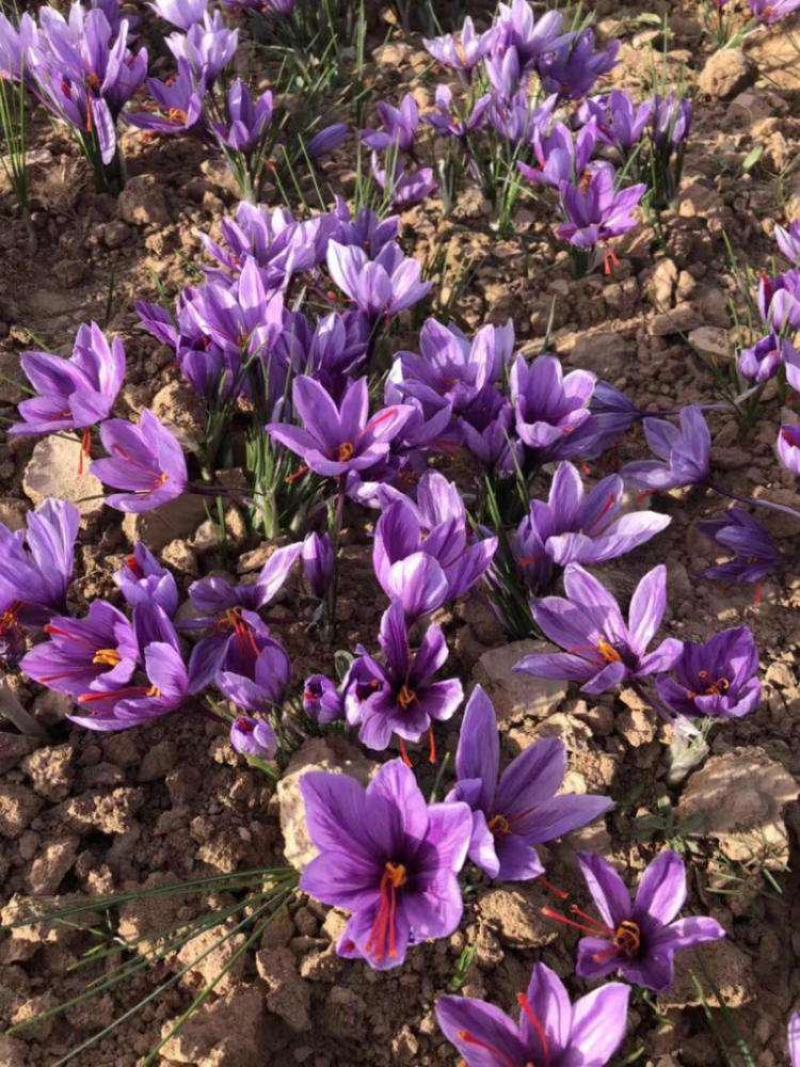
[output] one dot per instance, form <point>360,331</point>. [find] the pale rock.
<point>637,726</point>
<point>52,864</point>
<point>662,284</point>
<point>207,537</point>
<point>179,555</point>
<point>517,696</point>
<point>174,521</point>
<point>50,770</point>
<point>516,915</point>
<point>142,202</point>
<point>211,957</point>
<point>288,996</point>
<point>31,1009</point>
<point>19,806</point>
<point>179,408</point>
<point>726,73</point>
<point>738,798</point>
<point>710,341</point>
<point>331,754</point>
<point>53,471</point>
<point>228,1032</point>
<point>680,319</point>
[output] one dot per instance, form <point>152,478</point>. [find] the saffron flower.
<point>74,393</point>
<point>618,121</point>
<point>36,567</point>
<point>638,939</point>
<point>181,13</point>
<point>247,119</point>
<point>561,155</point>
<point>516,28</point>
<point>400,126</point>
<point>755,554</point>
<point>573,66</point>
<point>322,700</point>
<point>461,52</point>
<point>596,211</point>
<point>405,188</point>
<point>779,301</point>
<point>788,448</point>
<point>207,47</point>
<point>382,287</point>
<point>684,453</point>
<point>179,104</point>
<point>601,650</point>
<point>576,527</point>
<point>399,696</point>
<point>253,738</point>
<point>328,140</point>
<point>15,44</point>
<point>766,357</point>
<point>337,439</point>
<point>143,579</point>
<point>387,857</point>
<point>789,242</point>
<point>672,121</point>
<point>794,1039</point>
<point>551,408</point>
<point>718,679</point>
<point>257,672</point>
<point>318,562</point>
<point>772,11</point>
<point>146,461</point>
<point>100,651</point>
<point>549,1030</point>
<point>515,811</point>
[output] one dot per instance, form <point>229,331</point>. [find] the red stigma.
<point>384,930</point>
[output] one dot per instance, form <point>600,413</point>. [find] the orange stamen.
<point>404,753</point>
<point>432,740</point>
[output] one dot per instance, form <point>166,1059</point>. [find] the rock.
<point>516,914</point>
<point>207,538</point>
<point>30,1010</point>
<point>636,725</point>
<point>13,511</point>
<point>180,557</point>
<point>710,341</point>
<point>680,319</point>
<point>13,748</point>
<point>50,770</point>
<point>726,73</point>
<point>738,798</point>
<point>288,996</point>
<point>179,408</point>
<point>662,284</point>
<point>230,1032</point>
<point>142,202</point>
<point>213,952</point>
<point>728,968</point>
<point>109,813</point>
<point>174,521</point>
<point>54,471</point>
<point>51,865</point>
<point>19,806</point>
<point>516,696</point>
<point>330,754</point>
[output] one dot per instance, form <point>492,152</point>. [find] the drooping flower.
<point>638,939</point>
<point>381,287</point>
<point>684,453</point>
<point>98,652</point>
<point>336,439</point>
<point>596,211</point>
<point>601,650</point>
<point>550,1029</point>
<point>755,553</point>
<point>387,857</point>
<point>143,578</point>
<point>766,357</point>
<point>257,672</point>
<point>146,461</point>
<point>515,811</point>
<point>328,139</point>
<point>400,126</point>
<point>36,567</point>
<point>788,448</point>
<point>718,679</point>
<point>575,527</point>
<point>254,738</point>
<point>551,408</point>
<point>74,393</point>
<point>322,700</point>
<point>399,695</point>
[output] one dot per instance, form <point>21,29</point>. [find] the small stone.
<point>51,865</point>
<point>31,1009</point>
<point>208,537</point>
<point>180,556</point>
<point>738,798</point>
<point>116,234</point>
<point>214,952</point>
<point>19,806</point>
<point>179,408</point>
<point>54,471</point>
<point>662,284</point>
<point>158,762</point>
<point>516,696</point>
<point>680,319</point>
<point>710,341</point>
<point>174,521</point>
<point>726,73</point>
<point>288,996</point>
<point>516,914</point>
<point>637,726</point>
<point>50,770</point>
<point>142,202</point>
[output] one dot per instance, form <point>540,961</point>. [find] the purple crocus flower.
<point>638,940</point>
<point>143,579</point>
<point>400,126</point>
<point>74,393</point>
<point>399,696</point>
<point>772,11</point>
<point>322,700</point>
<point>421,553</point>
<point>36,567</point>
<point>208,47</point>
<point>779,301</point>
<point>405,188</point>
<point>257,672</point>
<point>672,120</point>
<point>328,140</point>
<point>146,461</point>
<point>755,554</point>
<point>505,73</point>
<point>181,13</point>
<point>619,122</point>
<point>253,738</point>
<point>561,155</point>
<point>766,357</point>
<point>366,230</point>
<point>684,453</point>
<point>247,120</point>
<point>550,1029</point>
<point>533,39</point>
<point>318,562</point>
<point>179,104</point>
<point>448,123</point>
<point>596,210</point>
<point>15,44</point>
<point>788,448</point>
<point>382,287</point>
<point>387,857</point>
<point>573,66</point>
<point>573,527</point>
<point>100,651</point>
<point>718,679</point>
<point>794,1039</point>
<point>551,408</point>
<point>462,51</point>
<point>515,811</point>
<point>601,650</point>
<point>335,440</point>
<point>789,242</point>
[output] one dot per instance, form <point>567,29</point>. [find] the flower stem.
<point>335,532</point>
<point>769,505</point>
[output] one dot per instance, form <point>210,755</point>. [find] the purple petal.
<point>609,892</point>
<point>662,889</point>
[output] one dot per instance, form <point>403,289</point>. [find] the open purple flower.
<point>718,678</point>
<point>257,672</point>
<point>100,651</point>
<point>462,51</point>
<point>766,357</point>
<point>36,567</point>
<point>179,104</point>
<point>515,811</point>
<point>575,527</point>
<point>779,301</point>
<point>550,1030</point>
<point>143,578</point>
<point>335,440</point>
<point>684,453</point>
<point>146,461</point>
<point>381,287</point>
<point>181,13</point>
<point>253,738</point>
<point>208,47</point>
<point>561,155</point>
<point>619,122</point>
<point>400,126</point>
<point>638,940</point>
<point>247,120</point>
<point>601,650</point>
<point>399,696</point>
<point>74,393</point>
<point>551,408</point>
<point>596,210</point>
<point>574,64</point>
<point>755,554</point>
<point>388,858</point>
<point>517,28</point>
